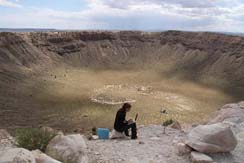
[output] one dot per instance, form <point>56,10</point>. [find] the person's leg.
<point>133,130</point>
<point>126,131</point>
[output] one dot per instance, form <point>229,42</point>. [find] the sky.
<point>190,15</point>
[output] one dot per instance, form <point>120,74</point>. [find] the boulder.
<point>117,135</point>
<point>6,140</point>
<point>16,155</point>
<point>232,114</point>
<point>183,149</point>
<point>214,138</point>
<point>94,137</point>
<point>68,149</point>
<point>240,136</point>
<point>241,104</point>
<point>197,157</point>
<point>231,105</point>
<point>176,125</point>
<point>43,158</point>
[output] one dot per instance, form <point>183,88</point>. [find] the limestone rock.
<point>232,114</point>
<point>117,135</point>
<point>197,157</point>
<point>43,158</point>
<point>95,137</point>
<point>16,155</point>
<point>241,104</point>
<point>6,140</point>
<point>212,138</point>
<point>68,149</point>
<point>231,105</point>
<point>183,149</point>
<point>176,125</point>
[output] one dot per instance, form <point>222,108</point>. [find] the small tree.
<point>167,123</point>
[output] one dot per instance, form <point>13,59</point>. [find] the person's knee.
<point>134,124</point>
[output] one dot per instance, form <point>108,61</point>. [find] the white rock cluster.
<point>218,136</point>
<point>214,138</point>
<point>66,149</point>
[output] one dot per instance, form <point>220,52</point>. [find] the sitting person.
<point>122,125</point>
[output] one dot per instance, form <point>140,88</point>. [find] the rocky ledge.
<point>221,140</point>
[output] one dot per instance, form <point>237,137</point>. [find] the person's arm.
<point>123,115</point>
<point>127,121</point>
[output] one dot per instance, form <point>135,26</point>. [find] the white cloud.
<point>208,15</point>
<point>181,3</point>
<point>8,3</point>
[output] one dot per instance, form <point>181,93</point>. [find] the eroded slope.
<point>33,85</point>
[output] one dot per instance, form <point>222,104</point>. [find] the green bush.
<point>34,138</point>
<point>168,122</point>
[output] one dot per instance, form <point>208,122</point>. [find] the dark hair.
<point>125,106</point>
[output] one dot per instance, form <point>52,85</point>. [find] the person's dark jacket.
<point>120,121</point>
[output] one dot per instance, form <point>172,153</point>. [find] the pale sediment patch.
<point>122,93</point>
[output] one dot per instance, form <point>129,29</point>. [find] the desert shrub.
<point>168,122</point>
<point>34,138</point>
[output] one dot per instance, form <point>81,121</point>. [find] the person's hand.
<point>130,121</point>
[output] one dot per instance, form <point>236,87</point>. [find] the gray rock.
<point>197,157</point>
<point>183,149</point>
<point>232,105</point>
<point>6,140</point>
<point>68,149</point>
<point>176,125</point>
<point>232,114</point>
<point>117,135</point>
<point>214,138</point>
<point>241,104</point>
<point>16,155</point>
<point>43,158</point>
<point>240,136</point>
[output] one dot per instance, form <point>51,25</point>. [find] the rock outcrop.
<point>68,149</point>
<point>197,157</point>
<point>16,155</point>
<point>176,125</point>
<point>192,52</point>
<point>117,135</point>
<point>183,149</point>
<point>6,140</point>
<point>214,138</point>
<point>241,104</point>
<point>43,158</point>
<point>230,113</point>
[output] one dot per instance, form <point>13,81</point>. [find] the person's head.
<point>126,107</point>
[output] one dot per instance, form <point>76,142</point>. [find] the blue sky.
<point>193,15</point>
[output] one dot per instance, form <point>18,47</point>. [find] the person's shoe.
<point>134,137</point>
<point>126,133</point>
